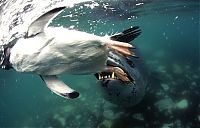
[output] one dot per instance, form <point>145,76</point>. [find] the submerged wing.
<point>59,87</point>
<point>127,35</point>
<point>39,24</point>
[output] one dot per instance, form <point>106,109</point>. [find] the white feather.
<point>60,50</point>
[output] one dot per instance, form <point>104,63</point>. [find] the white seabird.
<point>49,51</point>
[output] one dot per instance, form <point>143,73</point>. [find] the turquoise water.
<point>169,45</point>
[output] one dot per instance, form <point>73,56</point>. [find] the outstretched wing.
<point>43,21</point>
<point>59,87</point>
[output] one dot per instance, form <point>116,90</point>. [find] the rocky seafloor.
<point>172,100</point>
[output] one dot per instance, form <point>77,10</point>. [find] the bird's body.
<point>60,50</point>
<point>49,51</point>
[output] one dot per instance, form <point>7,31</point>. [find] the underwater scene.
<point>165,72</point>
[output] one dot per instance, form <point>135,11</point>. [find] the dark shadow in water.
<point>153,117</point>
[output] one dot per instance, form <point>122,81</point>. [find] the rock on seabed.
<point>182,104</point>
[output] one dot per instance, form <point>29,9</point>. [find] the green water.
<point>169,45</point>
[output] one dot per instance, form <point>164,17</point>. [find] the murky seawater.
<point>169,45</point>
